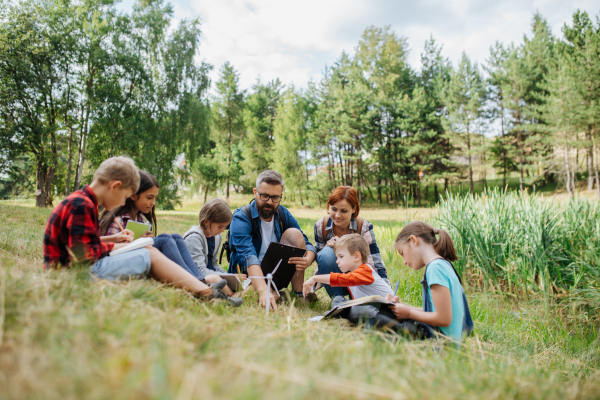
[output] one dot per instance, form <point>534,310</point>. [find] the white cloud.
<point>272,38</point>
<point>294,40</point>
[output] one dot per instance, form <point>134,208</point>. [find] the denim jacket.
<point>245,244</point>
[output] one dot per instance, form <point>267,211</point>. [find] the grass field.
<point>64,336</point>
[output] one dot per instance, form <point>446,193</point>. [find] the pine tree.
<point>289,130</point>
<point>464,100</point>
<point>582,57</point>
<point>434,77</point>
<point>259,117</point>
<point>229,128</point>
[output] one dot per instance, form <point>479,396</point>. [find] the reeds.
<point>519,244</point>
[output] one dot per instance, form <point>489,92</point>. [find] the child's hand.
<point>401,311</point>
<point>307,286</point>
<point>147,234</point>
<point>124,237</point>
<point>392,298</point>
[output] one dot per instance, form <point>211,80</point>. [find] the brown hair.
<point>147,182</point>
<point>347,193</point>
<point>119,169</point>
<point>215,211</point>
<point>443,246</point>
<point>354,242</point>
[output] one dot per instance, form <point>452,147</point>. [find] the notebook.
<point>136,244</point>
<point>138,228</point>
<point>285,272</point>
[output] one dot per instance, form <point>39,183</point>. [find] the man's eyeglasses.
<point>266,197</point>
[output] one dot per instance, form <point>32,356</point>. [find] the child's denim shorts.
<point>132,264</point>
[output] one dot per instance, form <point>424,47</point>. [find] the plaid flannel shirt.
<point>73,228</point>
<point>374,259</point>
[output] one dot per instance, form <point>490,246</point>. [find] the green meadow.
<point>530,267</point>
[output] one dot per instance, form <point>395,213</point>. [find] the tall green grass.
<point>524,243</point>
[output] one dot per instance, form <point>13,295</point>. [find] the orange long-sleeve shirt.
<point>362,275</point>
<point>361,282</point>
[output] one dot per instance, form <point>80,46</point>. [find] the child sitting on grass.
<point>141,207</point>
<point>445,307</point>
<point>352,252</point>
<point>72,234</point>
<point>203,241</point>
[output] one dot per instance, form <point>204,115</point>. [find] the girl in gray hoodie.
<point>203,241</point>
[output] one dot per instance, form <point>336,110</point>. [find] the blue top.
<point>245,244</point>
<point>440,272</point>
<point>210,241</point>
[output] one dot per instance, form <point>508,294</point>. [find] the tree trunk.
<point>436,195</point>
<point>568,174</point>
<point>81,153</point>
<point>504,156</point>
<point>520,147</point>
<point>70,143</point>
<point>44,177</point>
<point>483,163</point>
<point>590,159</point>
<point>69,162</point>
<point>470,162</point>
<point>300,195</point>
<point>330,168</point>
<point>378,190</point>
<point>228,165</point>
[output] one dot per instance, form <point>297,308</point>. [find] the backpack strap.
<point>324,227</point>
<point>359,223</point>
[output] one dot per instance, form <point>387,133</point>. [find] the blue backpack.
<point>467,320</point>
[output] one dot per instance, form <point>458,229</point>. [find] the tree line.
<point>81,82</point>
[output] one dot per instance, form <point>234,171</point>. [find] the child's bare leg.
<point>294,237</point>
<point>164,270</point>
<point>214,278</point>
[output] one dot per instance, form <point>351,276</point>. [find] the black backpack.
<point>247,210</point>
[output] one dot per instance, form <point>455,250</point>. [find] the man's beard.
<point>264,212</point>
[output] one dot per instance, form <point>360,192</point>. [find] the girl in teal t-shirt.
<point>444,303</point>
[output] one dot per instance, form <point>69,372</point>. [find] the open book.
<point>375,301</point>
<point>136,244</point>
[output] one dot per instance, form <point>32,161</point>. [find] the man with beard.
<point>249,238</point>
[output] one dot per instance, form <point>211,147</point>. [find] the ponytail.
<point>443,246</point>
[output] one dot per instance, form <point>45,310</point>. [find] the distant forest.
<point>81,81</point>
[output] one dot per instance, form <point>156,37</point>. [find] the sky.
<point>295,40</point>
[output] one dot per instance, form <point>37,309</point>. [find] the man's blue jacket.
<point>245,244</point>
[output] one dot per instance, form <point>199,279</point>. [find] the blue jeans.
<point>174,248</point>
<point>326,262</point>
<point>132,264</point>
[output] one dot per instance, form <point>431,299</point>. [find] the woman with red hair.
<point>342,219</point>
